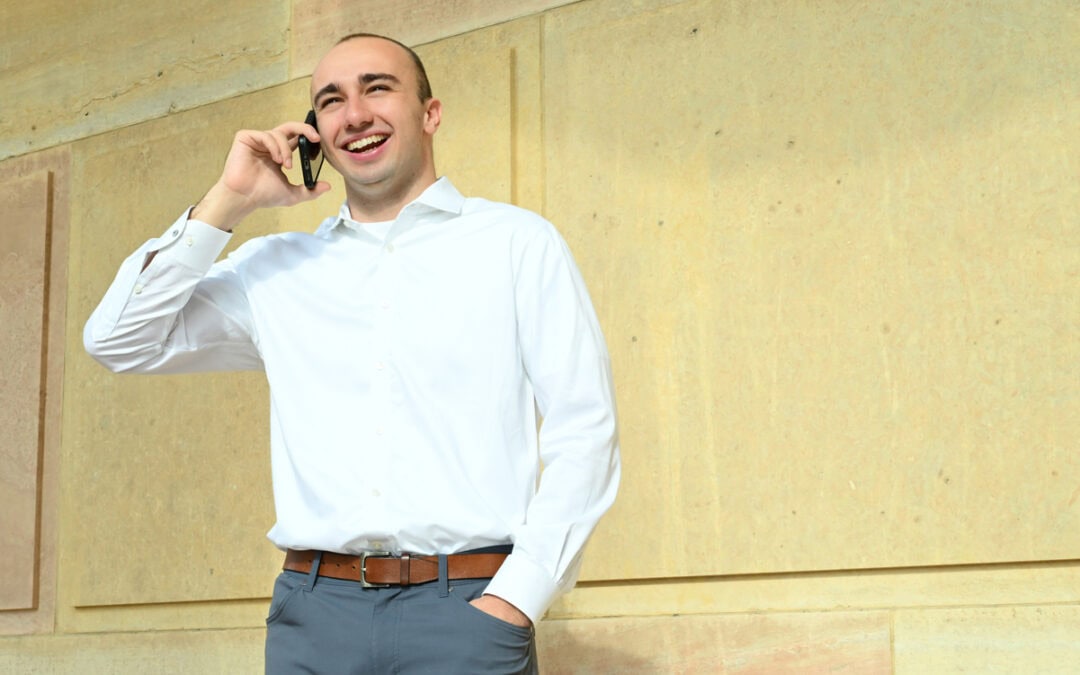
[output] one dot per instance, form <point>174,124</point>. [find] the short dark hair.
<point>424,89</point>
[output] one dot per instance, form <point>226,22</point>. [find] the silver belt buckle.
<point>364,583</point>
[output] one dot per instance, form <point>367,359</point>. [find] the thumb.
<point>302,194</point>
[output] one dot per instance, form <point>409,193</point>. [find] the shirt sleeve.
<point>567,362</point>
<point>179,313</point>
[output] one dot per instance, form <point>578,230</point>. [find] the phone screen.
<point>311,158</point>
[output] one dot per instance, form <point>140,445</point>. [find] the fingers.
<point>279,142</point>
<point>263,144</point>
<point>254,175</point>
<point>283,148</point>
<point>293,129</point>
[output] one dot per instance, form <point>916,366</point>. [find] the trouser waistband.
<point>380,570</point>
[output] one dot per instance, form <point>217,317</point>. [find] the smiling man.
<point>409,343</point>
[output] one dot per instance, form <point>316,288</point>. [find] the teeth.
<point>365,143</point>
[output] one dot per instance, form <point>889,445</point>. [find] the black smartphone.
<point>311,158</point>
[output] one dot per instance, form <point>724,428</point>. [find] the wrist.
<point>221,207</point>
<point>502,609</point>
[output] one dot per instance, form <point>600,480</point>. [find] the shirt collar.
<point>440,197</point>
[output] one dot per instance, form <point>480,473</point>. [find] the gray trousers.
<point>329,626</point>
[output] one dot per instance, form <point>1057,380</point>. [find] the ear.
<point>432,116</point>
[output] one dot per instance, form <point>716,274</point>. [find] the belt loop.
<point>309,583</point>
<point>444,577</point>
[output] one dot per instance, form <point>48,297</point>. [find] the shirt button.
<point>138,288</point>
<point>189,241</point>
<point>379,431</point>
<point>379,365</point>
<point>389,248</point>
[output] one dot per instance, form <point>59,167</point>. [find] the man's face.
<point>375,130</point>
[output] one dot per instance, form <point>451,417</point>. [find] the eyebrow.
<point>366,78</point>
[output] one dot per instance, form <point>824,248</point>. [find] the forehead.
<point>351,59</point>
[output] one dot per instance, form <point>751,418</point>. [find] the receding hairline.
<point>423,84</point>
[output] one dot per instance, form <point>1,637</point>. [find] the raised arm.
<point>253,179</point>
<point>170,309</point>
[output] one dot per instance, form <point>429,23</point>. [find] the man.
<point>409,343</point>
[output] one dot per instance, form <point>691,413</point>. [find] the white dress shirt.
<point>403,362</point>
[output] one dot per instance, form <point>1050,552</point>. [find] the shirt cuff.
<point>192,243</point>
<point>525,585</point>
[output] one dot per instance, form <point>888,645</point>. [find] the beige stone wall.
<point>835,249</point>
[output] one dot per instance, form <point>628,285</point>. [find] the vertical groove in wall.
<point>892,641</point>
<point>290,46</point>
<point>514,126</point>
<point>43,410</point>
<point>542,159</point>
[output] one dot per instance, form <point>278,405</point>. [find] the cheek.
<point>327,127</point>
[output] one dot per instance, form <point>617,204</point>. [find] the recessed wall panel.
<point>24,236</point>
<point>473,77</point>
<point>168,474</point>
<point>179,465</point>
<point>33,292</point>
<point>835,251</point>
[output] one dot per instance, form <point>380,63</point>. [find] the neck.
<point>373,203</point>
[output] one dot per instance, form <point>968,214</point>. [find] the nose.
<point>357,113</point>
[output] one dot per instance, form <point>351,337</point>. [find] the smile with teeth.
<point>367,144</point>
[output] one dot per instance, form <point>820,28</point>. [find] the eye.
<point>328,100</point>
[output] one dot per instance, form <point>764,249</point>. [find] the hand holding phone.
<point>311,157</point>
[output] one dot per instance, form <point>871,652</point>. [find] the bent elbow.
<point>109,350</point>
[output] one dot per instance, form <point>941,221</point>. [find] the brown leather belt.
<point>378,570</point>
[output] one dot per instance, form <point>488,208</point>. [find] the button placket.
<point>379,350</point>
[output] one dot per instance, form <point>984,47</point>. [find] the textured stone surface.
<point>490,107</point>
<point>228,652</point>
<point>1030,584</point>
<point>176,467</point>
<point>856,643</point>
<point>835,252</point>
<point>76,69</point>
<point>33,292</point>
<point>989,641</point>
<point>24,236</point>
<point>318,24</point>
